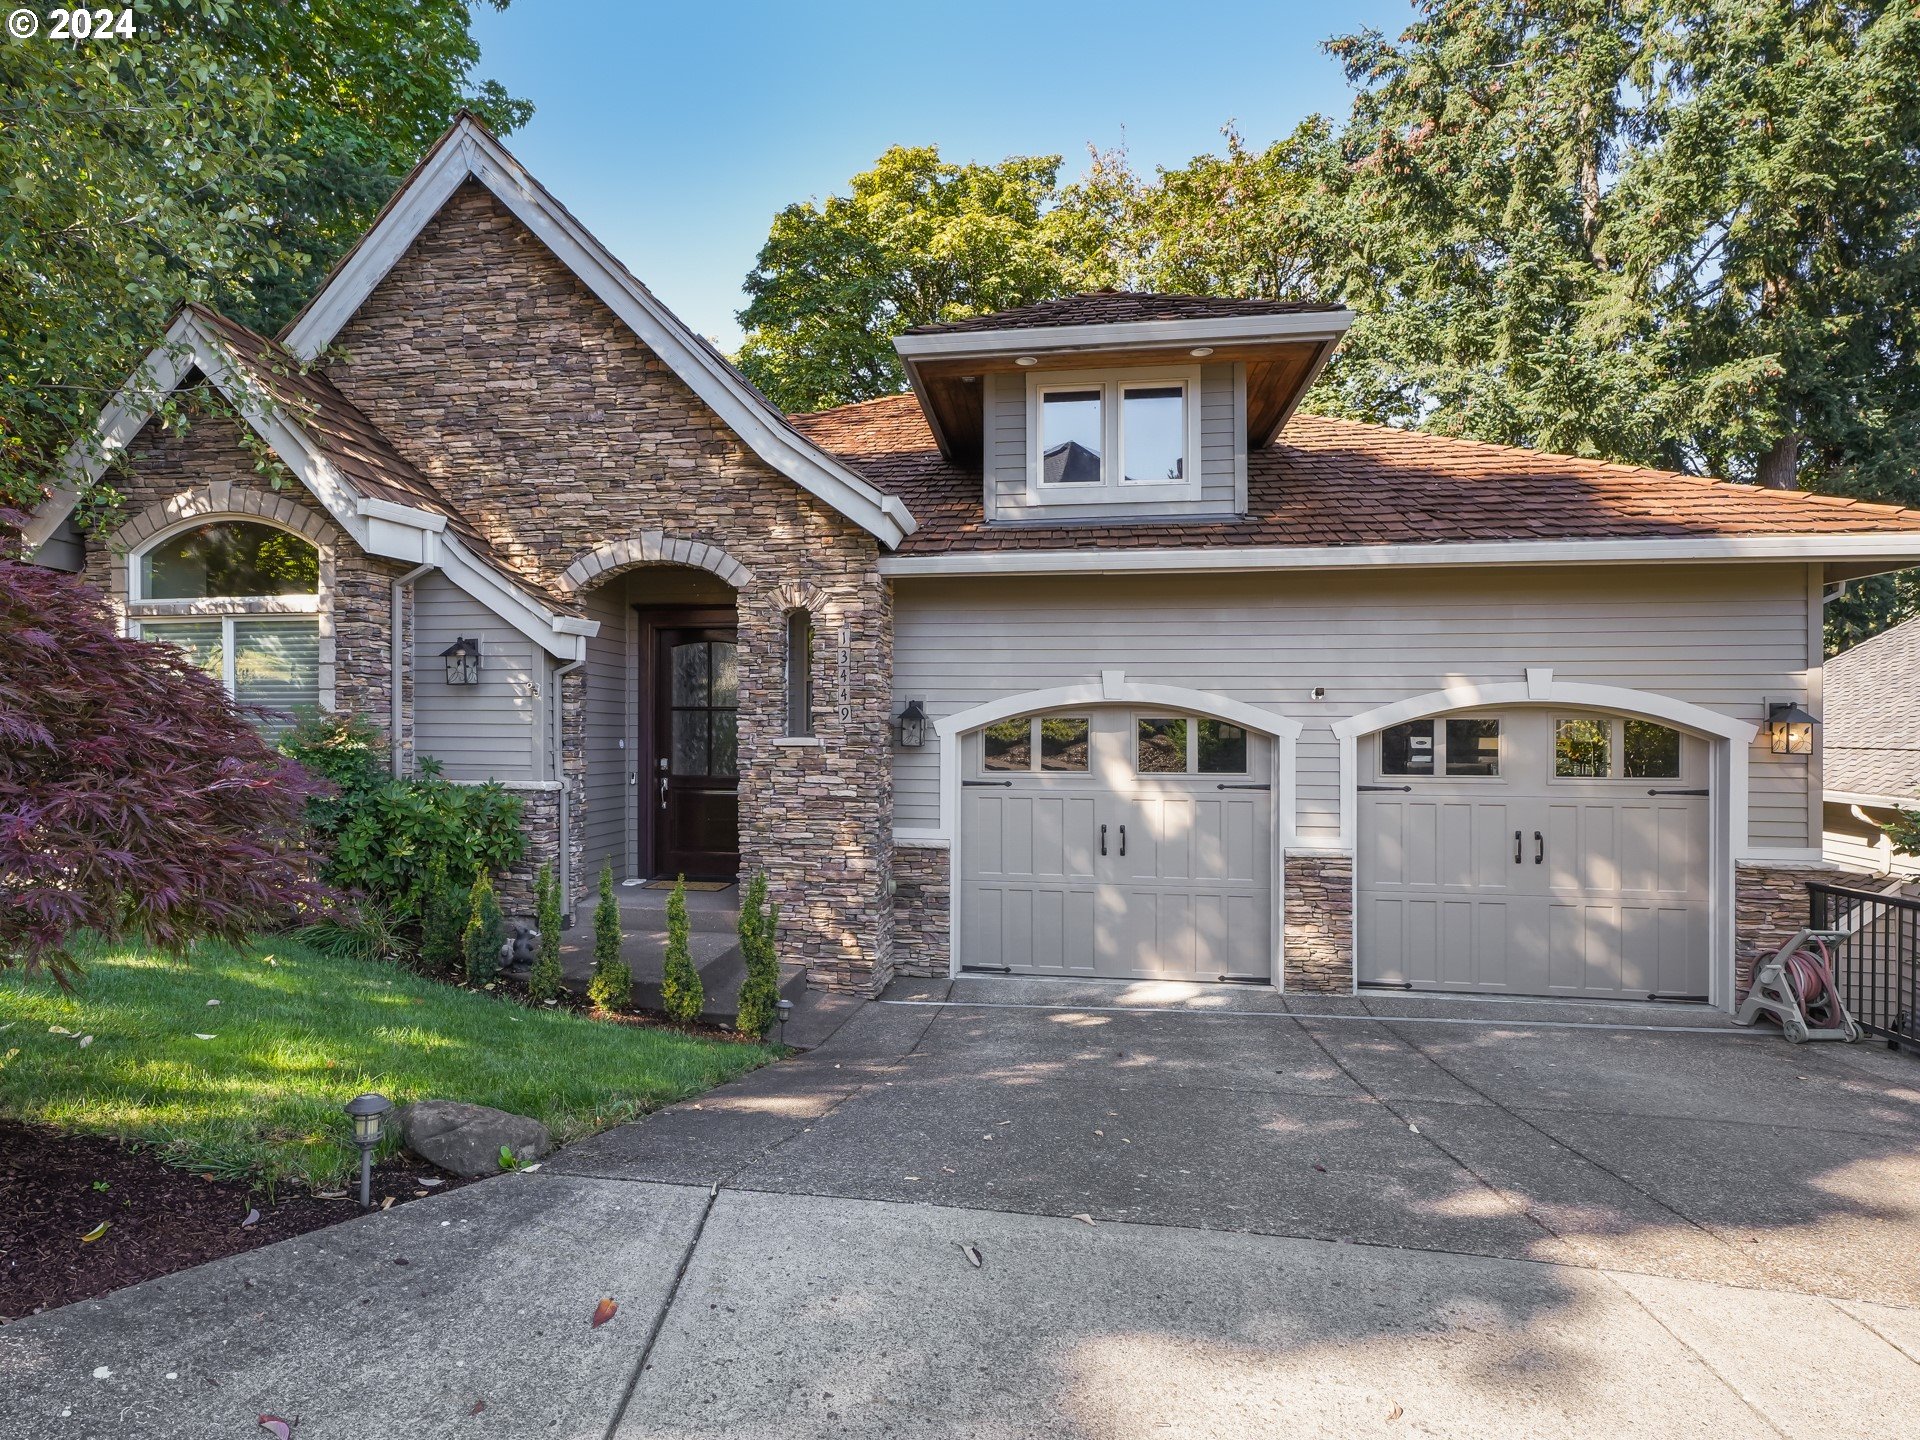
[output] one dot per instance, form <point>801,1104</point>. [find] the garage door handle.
<point>1539,848</point>
<point>1516,847</point>
<point>1103,839</point>
<point>1123,839</point>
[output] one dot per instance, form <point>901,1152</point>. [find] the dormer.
<point>1117,404</point>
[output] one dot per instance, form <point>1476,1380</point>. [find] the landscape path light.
<point>369,1113</point>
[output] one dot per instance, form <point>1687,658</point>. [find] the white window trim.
<point>236,604</point>
<point>1112,385</point>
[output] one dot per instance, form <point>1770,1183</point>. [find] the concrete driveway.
<point>1206,1212</point>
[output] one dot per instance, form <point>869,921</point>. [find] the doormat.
<point>664,884</point>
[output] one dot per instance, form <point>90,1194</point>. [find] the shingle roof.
<point>1871,709</point>
<point>1112,307</point>
<point>1339,482</point>
<point>353,443</point>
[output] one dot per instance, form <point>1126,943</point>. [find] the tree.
<point>611,985</point>
<point>681,994</point>
<point>919,240</point>
<point>134,799</point>
<point>227,153</point>
<point>760,989</point>
<point>546,980</point>
<point>485,935</point>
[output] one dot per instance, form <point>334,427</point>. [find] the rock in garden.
<point>466,1139</point>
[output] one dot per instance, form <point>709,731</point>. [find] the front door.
<point>695,790</point>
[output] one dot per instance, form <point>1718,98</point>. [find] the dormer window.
<point>1110,436</point>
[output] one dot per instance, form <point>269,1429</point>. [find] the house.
<point>1212,688</point>
<point>1872,749</point>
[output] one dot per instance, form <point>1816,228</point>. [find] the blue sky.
<point>676,131</point>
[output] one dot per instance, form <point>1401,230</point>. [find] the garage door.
<point>1117,843</point>
<point>1534,853</point>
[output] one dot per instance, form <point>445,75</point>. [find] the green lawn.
<point>297,1034</point>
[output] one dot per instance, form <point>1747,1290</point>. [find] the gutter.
<point>398,656</point>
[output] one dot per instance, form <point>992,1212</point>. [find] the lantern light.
<point>1790,728</point>
<point>911,725</point>
<point>463,661</point>
<point>368,1113</point>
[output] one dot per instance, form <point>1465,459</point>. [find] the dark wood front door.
<point>695,789</point>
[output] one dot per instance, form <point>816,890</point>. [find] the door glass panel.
<point>1153,435</point>
<point>1163,747</point>
<point>1652,751</point>
<point>1070,439</point>
<point>690,742</point>
<point>276,665</point>
<point>1223,748</point>
<point>726,674</point>
<point>1582,748</point>
<point>1009,745</point>
<point>1407,749</point>
<point>200,639</point>
<point>1473,747</point>
<point>726,744</point>
<point>1063,744</point>
<point>690,673</point>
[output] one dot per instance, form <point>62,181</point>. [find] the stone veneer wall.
<point>1318,936</point>
<point>535,409</point>
<point>922,900</point>
<point>163,465</point>
<point>1769,905</point>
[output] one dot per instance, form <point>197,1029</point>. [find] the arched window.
<point>799,673</point>
<point>242,599</point>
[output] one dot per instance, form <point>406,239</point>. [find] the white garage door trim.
<point>1729,739</point>
<point>1115,689</point>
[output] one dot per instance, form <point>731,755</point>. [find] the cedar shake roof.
<point>1326,482</point>
<point>352,442</point>
<point>1113,307</point>
<point>1871,709</point>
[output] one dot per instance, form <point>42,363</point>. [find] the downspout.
<point>398,657</point>
<point>560,774</point>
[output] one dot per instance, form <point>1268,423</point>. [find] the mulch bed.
<point>163,1218</point>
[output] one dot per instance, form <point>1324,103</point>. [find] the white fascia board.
<point>1899,547</point>
<point>407,515</point>
<point>1131,334</point>
<point>764,431</point>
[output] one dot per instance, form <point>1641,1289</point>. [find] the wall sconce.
<point>912,726</point>
<point>463,662</point>
<point>1789,728</point>
<point>369,1113</point>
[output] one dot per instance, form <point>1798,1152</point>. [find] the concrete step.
<point>710,912</point>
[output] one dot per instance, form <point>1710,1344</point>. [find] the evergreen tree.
<point>611,987</point>
<point>443,918</point>
<point>485,934</point>
<point>545,981</point>
<point>760,990</point>
<point>681,995</point>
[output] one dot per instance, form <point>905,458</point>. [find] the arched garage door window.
<point>247,598</point>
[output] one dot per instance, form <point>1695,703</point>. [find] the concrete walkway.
<point>1196,1212</point>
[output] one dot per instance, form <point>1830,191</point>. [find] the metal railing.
<point>1876,960</point>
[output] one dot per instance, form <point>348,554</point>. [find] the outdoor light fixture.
<point>369,1113</point>
<point>1026,362</point>
<point>783,1008</point>
<point>1200,352</point>
<point>911,724</point>
<point>1790,728</point>
<point>463,662</point>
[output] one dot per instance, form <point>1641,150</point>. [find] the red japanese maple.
<point>134,798</point>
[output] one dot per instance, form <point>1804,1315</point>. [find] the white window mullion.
<point>229,675</point>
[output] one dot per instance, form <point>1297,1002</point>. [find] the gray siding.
<point>1222,458</point>
<point>63,549</point>
<point>489,731</point>
<point>1851,842</point>
<point>608,687</point>
<point>1723,638</point>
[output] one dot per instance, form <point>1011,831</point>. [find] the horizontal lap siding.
<point>607,686</point>
<point>1721,638</point>
<point>488,731</point>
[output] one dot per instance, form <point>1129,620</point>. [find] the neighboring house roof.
<point>1870,706</point>
<point>1113,307</point>
<point>1327,486</point>
<point>470,151</point>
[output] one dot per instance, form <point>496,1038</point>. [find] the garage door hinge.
<point>1383,787</point>
<point>1243,787</point>
<point>1007,783</point>
<point>1676,792</point>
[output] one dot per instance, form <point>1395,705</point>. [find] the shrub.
<point>680,993</point>
<point>357,932</point>
<point>486,932</point>
<point>760,990</point>
<point>387,838</point>
<point>135,800</point>
<point>545,980</point>
<point>443,920</point>
<point>611,987</point>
